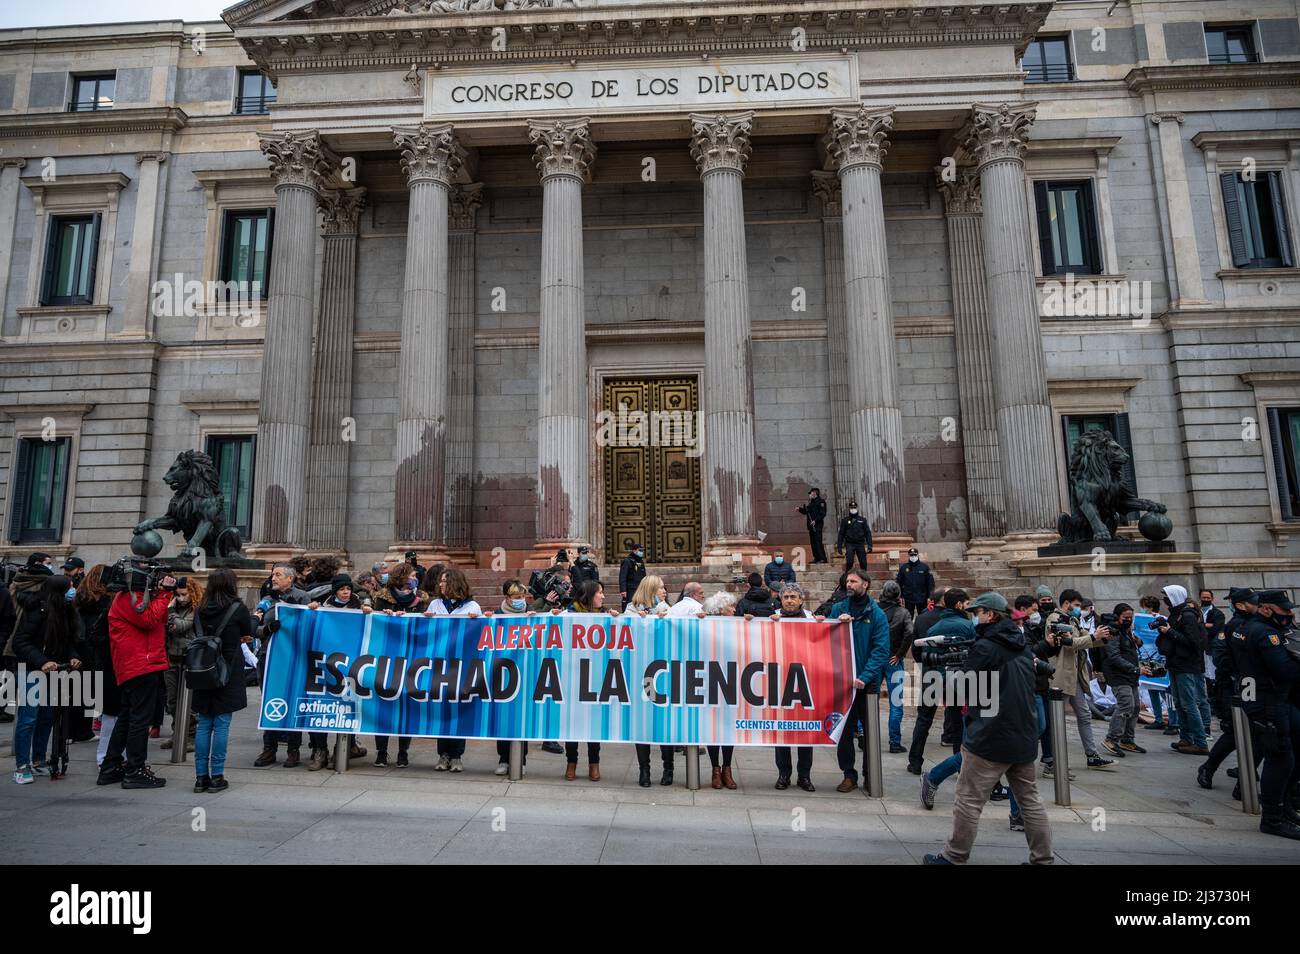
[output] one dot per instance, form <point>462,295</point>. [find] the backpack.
<point>205,665</point>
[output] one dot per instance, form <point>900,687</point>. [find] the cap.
<point>584,549</point>
<point>1043,592</point>
<point>561,556</point>
<point>74,563</point>
<point>1276,598</point>
<point>911,550</point>
<point>1243,594</point>
<point>989,601</point>
<point>853,503</point>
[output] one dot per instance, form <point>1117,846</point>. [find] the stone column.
<point>136,318</point>
<point>332,426</point>
<point>995,137</point>
<point>431,157</point>
<point>460,452</point>
<point>720,146</point>
<point>10,171</point>
<point>563,151</point>
<point>1187,287</point>
<point>299,162</point>
<point>826,186</point>
<point>979,433</point>
<point>856,144</point>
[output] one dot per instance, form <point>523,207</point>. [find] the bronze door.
<point>652,468</point>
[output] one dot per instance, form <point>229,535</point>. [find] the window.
<point>233,457</point>
<point>256,94</point>
<point>1067,228</point>
<point>1047,60</point>
<point>1284,432</point>
<point>70,254</point>
<point>41,483</point>
<point>246,250</point>
<point>92,93</point>
<point>1256,218</point>
<point>1229,44</point>
<point>1117,425</point>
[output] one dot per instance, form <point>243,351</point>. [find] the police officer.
<point>585,569</point>
<point>630,573</point>
<point>855,537</point>
<point>1226,645</point>
<point>814,512</point>
<point>1269,679</point>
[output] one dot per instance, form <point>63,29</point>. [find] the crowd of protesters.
<point>146,636</point>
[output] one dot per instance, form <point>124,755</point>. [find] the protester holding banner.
<point>871,650</point>
<point>514,603</point>
<point>455,599</point>
<point>1162,701</point>
<point>280,588</point>
<point>342,596</point>
<point>590,598</point>
<point>721,603</point>
<point>651,597</point>
<point>400,594</point>
<point>792,608</point>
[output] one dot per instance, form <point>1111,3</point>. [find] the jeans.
<point>946,769</point>
<point>921,731</point>
<point>1124,721</point>
<point>106,723</point>
<point>893,681</point>
<point>32,728</point>
<point>1043,700</point>
<point>129,745</point>
<point>211,735</point>
<point>783,761</point>
<point>978,776</point>
<point>1189,695</point>
<point>1083,716</point>
<point>1159,704</point>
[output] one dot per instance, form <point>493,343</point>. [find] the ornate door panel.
<point>652,468</point>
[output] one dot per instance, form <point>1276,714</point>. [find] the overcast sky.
<point>67,12</point>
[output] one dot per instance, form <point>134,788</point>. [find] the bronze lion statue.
<point>197,509</point>
<point>1101,499</point>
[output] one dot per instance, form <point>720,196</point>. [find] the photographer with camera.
<point>1122,668</point>
<point>952,625</point>
<point>137,637</point>
<point>1069,645</point>
<point>1181,640</point>
<point>1001,740</point>
<point>558,593</point>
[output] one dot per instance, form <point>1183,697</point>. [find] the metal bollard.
<point>875,768</point>
<point>516,767</point>
<point>342,743</point>
<point>1245,758</point>
<point>181,735</point>
<point>693,767</point>
<point>1060,749</point>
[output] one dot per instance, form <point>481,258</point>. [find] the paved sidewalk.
<point>1148,810</point>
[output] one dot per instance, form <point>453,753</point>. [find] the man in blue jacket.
<point>870,652</point>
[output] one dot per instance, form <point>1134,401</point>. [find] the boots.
<point>643,779</point>
<point>717,777</point>
<point>1291,807</point>
<point>266,758</point>
<point>319,759</point>
<point>593,771</point>
<point>1273,822</point>
<point>292,760</point>
<point>570,771</point>
<point>667,778</point>
<point>355,751</point>
<point>727,781</point>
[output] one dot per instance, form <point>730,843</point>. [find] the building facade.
<point>411,272</point>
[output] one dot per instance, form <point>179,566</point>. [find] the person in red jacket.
<point>138,644</point>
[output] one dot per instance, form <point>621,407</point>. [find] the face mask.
<point>582,558</point>
<point>411,584</point>
<point>639,553</point>
<point>72,591</point>
<point>778,560</point>
<point>1075,612</point>
<point>1035,618</point>
<point>517,604</point>
<point>914,559</point>
<point>384,579</point>
<point>1207,603</point>
<point>853,510</point>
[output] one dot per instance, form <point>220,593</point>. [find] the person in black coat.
<point>916,581</point>
<point>1122,667</point>
<point>758,601</point>
<point>630,574</point>
<point>814,512</point>
<point>584,569</point>
<point>48,637</point>
<point>855,537</point>
<point>214,708</point>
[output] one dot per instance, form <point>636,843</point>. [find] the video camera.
<point>1060,631</point>
<point>8,571</point>
<point>136,575</point>
<point>947,652</point>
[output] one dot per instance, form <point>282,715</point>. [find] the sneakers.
<point>895,749</point>
<point>319,759</point>
<point>403,760</point>
<point>502,769</point>
<point>24,776</point>
<point>1113,747</point>
<point>1132,747</point>
<point>1156,726</point>
<point>1097,762</point>
<point>381,759</point>
<point>455,765</point>
<point>1049,771</point>
<point>111,777</point>
<point>1017,823</point>
<point>1171,731</point>
<point>144,778</point>
<point>928,788</point>
<point>936,860</point>
<point>1204,777</point>
<point>40,769</point>
<point>444,764</point>
<point>553,747</point>
<point>95,725</point>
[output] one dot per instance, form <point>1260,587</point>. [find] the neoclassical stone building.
<point>904,252</point>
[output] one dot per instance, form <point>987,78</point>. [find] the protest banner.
<point>567,677</point>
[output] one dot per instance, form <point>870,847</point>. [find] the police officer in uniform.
<point>854,537</point>
<point>1226,645</point>
<point>814,512</point>
<point>1270,678</point>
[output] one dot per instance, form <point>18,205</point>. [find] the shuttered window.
<point>40,490</point>
<point>1255,213</point>
<point>1284,436</point>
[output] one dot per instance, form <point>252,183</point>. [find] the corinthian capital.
<point>960,189</point>
<point>859,136</point>
<point>298,158</point>
<point>341,210</point>
<point>826,186</point>
<point>721,141</point>
<point>997,132</point>
<point>562,147</point>
<point>465,200</point>
<point>429,153</point>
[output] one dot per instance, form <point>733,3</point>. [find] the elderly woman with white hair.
<point>721,603</point>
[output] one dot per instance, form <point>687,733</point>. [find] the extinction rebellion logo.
<point>830,722</point>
